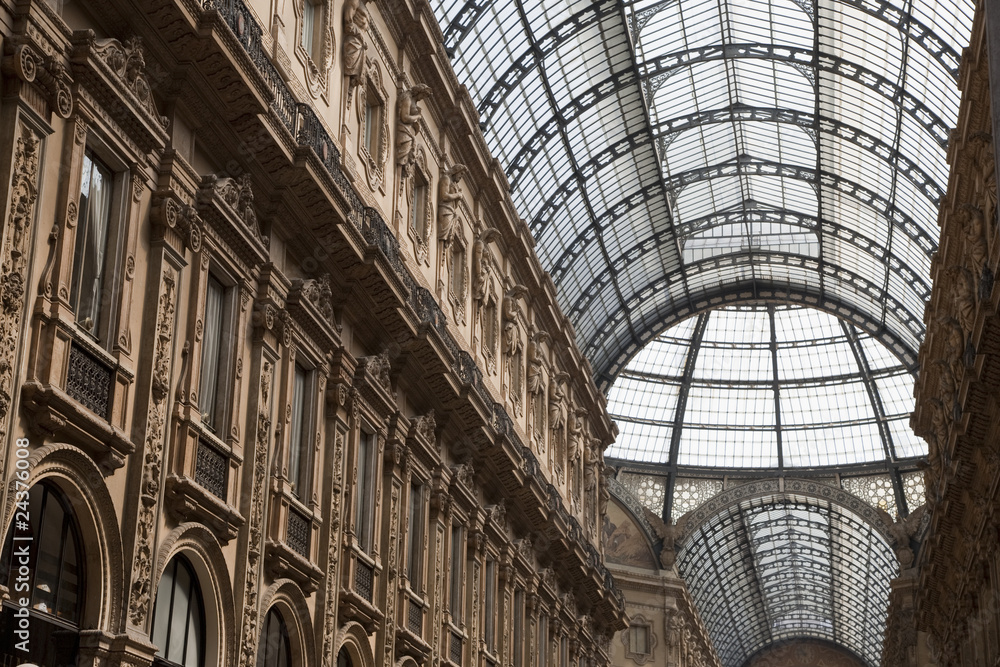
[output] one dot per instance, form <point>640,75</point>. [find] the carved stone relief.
<point>127,62</point>
<point>13,269</point>
<point>153,451</point>
<point>408,125</point>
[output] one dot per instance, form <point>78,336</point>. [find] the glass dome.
<point>769,387</point>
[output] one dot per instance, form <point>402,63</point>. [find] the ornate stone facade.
<point>272,393</point>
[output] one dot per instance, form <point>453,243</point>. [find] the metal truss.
<point>782,216</point>
<point>806,120</point>
<point>657,69</point>
<point>607,349</point>
<point>537,46</point>
<point>785,560</point>
<point>750,166</point>
<point>540,47</point>
<point>885,11</point>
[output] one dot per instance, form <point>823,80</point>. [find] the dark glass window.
<point>54,584</point>
<point>275,650</point>
<point>179,616</point>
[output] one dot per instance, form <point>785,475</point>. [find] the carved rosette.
<point>156,418</point>
<point>23,195</point>
<point>248,650</point>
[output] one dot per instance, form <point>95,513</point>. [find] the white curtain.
<point>210,349</point>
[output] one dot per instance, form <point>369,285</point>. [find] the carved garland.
<point>24,194</point>
<point>153,461</point>
<point>391,573</point>
<point>248,650</point>
<point>332,578</point>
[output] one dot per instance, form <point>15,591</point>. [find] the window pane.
<point>210,351</point>
<point>457,567</point>
<point>415,539</point>
<point>363,507</point>
<point>91,243</point>
<point>308,25</point>
<point>179,616</point>
<point>298,454</point>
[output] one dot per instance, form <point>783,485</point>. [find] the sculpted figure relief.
<point>575,448</point>
<point>449,192</point>
<point>975,237</point>
<point>557,411</point>
<point>535,362</point>
<point>355,27</point>
<point>511,339</point>
<point>409,124</point>
<point>965,297</point>
<point>482,260</point>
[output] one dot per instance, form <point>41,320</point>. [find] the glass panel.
<point>91,243</point>
<point>298,440</point>
<point>363,504</point>
<point>211,350</point>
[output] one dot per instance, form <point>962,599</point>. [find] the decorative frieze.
<point>156,416</point>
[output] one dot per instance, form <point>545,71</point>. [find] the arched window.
<point>179,616</point>
<point>275,650</point>
<point>43,563</point>
<point>344,659</point>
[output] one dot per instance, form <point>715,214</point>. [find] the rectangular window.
<point>543,640</point>
<point>457,271</point>
<point>373,123</point>
<point>92,233</point>
<point>519,628</point>
<point>299,451</point>
<point>418,220</point>
<point>364,508</point>
<point>310,14</point>
<point>213,352</point>
<point>415,539</point>
<point>457,573</point>
<point>563,651</point>
<point>490,326</point>
<point>490,600</point>
<point>640,639</point>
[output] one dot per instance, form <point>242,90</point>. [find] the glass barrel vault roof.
<point>767,387</point>
<point>773,568</point>
<point>675,156</point>
<point>668,152</point>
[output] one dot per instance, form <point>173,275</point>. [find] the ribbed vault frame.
<point>673,157</point>
<point>571,97</point>
<point>788,565</point>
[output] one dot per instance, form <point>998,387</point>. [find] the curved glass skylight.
<point>765,387</point>
<point>773,568</point>
<point>668,152</point>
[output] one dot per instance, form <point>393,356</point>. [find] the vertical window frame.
<point>216,416</point>
<point>301,427</point>
<point>104,324</point>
